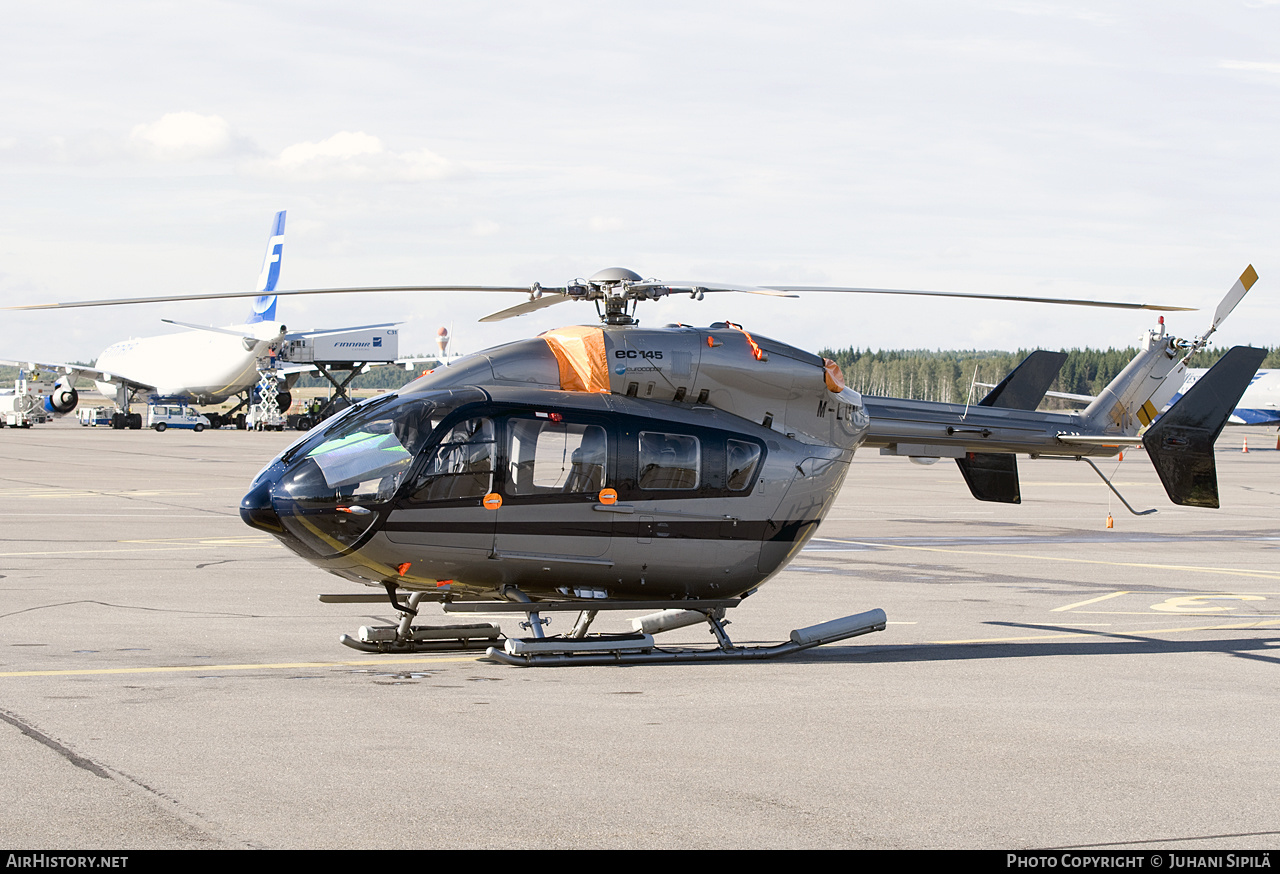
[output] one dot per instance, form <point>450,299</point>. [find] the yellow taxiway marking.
<point>59,492</point>
<point>103,551</point>
<point>1265,575</point>
<point>1090,601</point>
<point>1196,603</point>
<point>174,545</point>
<point>149,493</point>
<point>206,669</point>
<point>1085,483</point>
<point>244,540</point>
<point>1187,604</point>
<point>1146,632</point>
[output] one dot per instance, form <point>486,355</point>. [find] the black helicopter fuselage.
<point>489,474</point>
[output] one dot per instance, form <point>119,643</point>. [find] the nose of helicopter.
<point>256,509</point>
<point>332,490</point>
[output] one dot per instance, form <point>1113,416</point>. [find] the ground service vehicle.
<point>161,417</point>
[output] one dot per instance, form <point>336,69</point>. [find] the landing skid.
<point>406,637</point>
<point>640,649</point>
<point>423,638</point>
<point>578,647</point>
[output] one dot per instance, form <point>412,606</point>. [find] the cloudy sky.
<point>1117,150</point>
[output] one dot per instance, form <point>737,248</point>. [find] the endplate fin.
<point>992,476</point>
<point>1180,443</point>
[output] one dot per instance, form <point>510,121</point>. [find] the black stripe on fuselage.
<point>628,529</point>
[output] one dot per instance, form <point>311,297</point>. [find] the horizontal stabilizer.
<point>1180,443</point>
<point>992,476</point>
<point>1024,387</point>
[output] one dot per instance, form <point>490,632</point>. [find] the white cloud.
<point>357,156</point>
<point>485,228</point>
<point>182,136</point>
<point>1251,66</point>
<point>604,224</point>
<point>1072,13</point>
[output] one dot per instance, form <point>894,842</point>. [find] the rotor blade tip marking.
<point>1249,277</point>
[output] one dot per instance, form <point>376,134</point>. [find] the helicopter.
<point>673,470</point>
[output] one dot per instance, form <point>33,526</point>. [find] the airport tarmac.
<point>169,679</point>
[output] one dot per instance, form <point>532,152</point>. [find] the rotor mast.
<point>613,286</point>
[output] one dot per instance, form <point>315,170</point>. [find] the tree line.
<point>950,376</point>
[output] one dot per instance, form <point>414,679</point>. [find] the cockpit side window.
<point>669,461</point>
<point>743,458</point>
<point>548,457</point>
<point>460,466</point>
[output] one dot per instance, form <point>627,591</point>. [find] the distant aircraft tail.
<point>264,306</point>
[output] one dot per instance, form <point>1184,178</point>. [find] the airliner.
<point>1260,403</point>
<point>204,365</point>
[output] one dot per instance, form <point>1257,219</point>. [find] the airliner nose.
<point>256,509</point>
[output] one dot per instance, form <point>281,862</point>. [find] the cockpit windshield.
<point>337,479</point>
<point>365,454</point>
<point>380,446</point>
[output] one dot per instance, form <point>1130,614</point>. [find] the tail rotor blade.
<point>1233,297</point>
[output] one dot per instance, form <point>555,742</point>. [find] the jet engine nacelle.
<point>62,399</point>
<point>283,400</point>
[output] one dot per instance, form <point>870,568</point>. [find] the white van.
<point>92,417</point>
<point>161,416</point>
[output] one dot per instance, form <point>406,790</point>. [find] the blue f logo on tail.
<point>264,306</point>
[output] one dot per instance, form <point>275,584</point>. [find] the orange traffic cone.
<point>1246,445</point>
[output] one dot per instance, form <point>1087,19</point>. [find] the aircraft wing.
<point>80,370</point>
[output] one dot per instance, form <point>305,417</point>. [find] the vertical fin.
<point>264,306</point>
<point>1180,443</point>
<point>1024,387</point>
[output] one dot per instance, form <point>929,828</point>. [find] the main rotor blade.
<point>529,306</point>
<point>682,285</point>
<point>123,301</point>
<point>1119,305</point>
<point>326,332</point>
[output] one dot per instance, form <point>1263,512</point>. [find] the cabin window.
<point>742,458</point>
<point>549,457</point>
<point>669,461</point>
<point>460,466</point>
